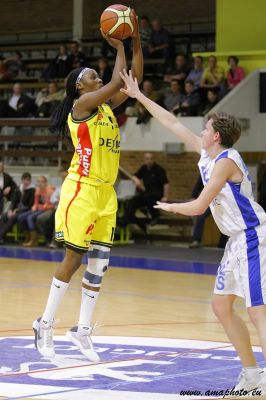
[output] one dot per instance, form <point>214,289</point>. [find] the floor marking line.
<point>178,354</point>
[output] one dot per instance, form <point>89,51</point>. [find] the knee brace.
<point>98,260</point>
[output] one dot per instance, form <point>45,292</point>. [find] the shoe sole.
<point>35,330</point>
<point>77,343</point>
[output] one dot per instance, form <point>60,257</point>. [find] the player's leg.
<point>98,260</point>
<point>234,327</point>
<point>72,219</point>
<point>254,276</point>
<point>102,235</point>
<point>43,326</point>
<point>227,287</point>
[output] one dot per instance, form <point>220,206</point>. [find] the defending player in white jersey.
<point>228,192</point>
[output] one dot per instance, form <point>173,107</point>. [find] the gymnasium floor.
<point>156,334</point>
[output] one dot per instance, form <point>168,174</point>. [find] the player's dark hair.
<point>228,127</point>
<point>59,117</point>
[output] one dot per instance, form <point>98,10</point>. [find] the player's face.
<point>91,81</point>
<point>208,135</point>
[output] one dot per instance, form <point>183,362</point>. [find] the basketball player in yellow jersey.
<point>86,215</point>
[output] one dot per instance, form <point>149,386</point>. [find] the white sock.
<point>57,291</point>
<point>88,303</point>
<point>252,371</point>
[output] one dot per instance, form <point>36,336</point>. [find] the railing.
<point>28,144</point>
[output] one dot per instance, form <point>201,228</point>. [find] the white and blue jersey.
<point>243,268</point>
<point>234,208</point>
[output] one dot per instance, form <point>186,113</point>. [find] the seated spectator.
<point>19,105</point>
<point>77,59</point>
<point>174,97</point>
<point>45,221</point>
<point>152,185</point>
<point>145,35</point>
<point>26,201</point>
<point>59,67</point>
<point>4,75</point>
<point>189,106</point>
<point>14,65</point>
<point>179,71</point>
<point>104,70</point>
<point>160,43</point>
<point>196,72</point>
<point>213,76</point>
<point>48,99</point>
<point>235,74</point>
<point>212,100</point>
<point>143,116</point>
<point>42,202</point>
<point>8,191</point>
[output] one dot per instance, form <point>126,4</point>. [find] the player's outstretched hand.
<point>113,42</point>
<point>132,88</point>
<point>164,206</point>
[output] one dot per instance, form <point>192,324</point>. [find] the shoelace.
<point>48,334</point>
<point>86,337</point>
<point>48,337</point>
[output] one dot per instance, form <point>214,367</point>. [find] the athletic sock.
<point>57,291</point>
<point>88,303</point>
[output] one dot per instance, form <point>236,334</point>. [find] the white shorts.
<point>242,271</point>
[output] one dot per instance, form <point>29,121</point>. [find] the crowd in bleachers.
<point>29,206</point>
<point>181,84</point>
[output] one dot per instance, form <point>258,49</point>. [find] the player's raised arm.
<point>163,116</point>
<point>136,63</point>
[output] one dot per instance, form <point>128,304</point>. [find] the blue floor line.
<point>115,261</point>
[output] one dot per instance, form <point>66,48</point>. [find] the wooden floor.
<point>133,302</point>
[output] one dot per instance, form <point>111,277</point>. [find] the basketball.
<point>118,21</point>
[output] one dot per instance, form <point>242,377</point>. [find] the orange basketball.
<point>118,21</point>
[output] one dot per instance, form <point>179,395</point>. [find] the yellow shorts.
<point>86,214</point>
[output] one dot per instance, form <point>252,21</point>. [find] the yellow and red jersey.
<point>96,140</point>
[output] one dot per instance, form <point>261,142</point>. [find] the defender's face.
<point>208,135</point>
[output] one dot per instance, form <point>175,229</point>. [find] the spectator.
<point>104,70</point>
<point>26,191</point>
<point>145,35</point>
<point>179,71</point>
<point>4,75</point>
<point>196,72</point>
<point>152,185</point>
<point>48,99</point>
<point>8,191</point>
<point>160,43</point>
<point>213,76</point>
<point>77,59</point>
<point>143,116</point>
<point>14,65</point>
<point>42,202</point>
<point>235,74</point>
<point>212,100</point>
<point>59,67</point>
<point>19,105</point>
<point>189,106</point>
<point>174,97</point>
<point>45,221</point>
